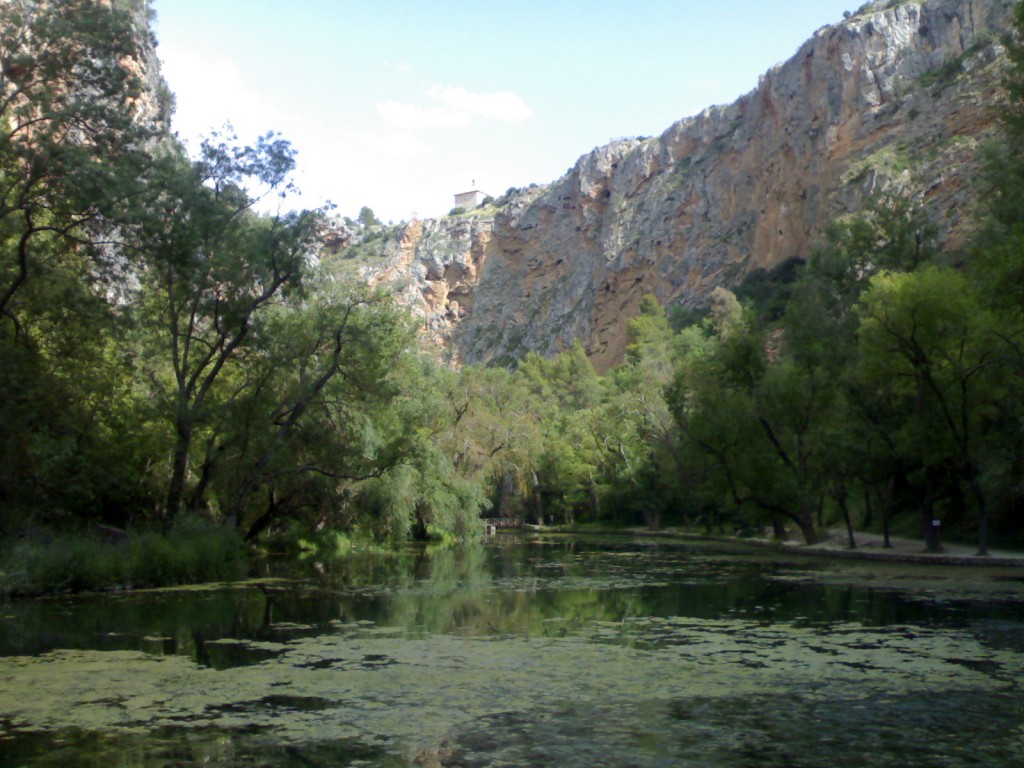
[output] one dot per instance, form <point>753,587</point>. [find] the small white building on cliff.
<point>470,199</point>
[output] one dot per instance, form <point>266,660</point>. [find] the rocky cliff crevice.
<point>898,94</point>
<point>434,268</point>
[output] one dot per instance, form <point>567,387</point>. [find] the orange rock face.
<point>897,96</point>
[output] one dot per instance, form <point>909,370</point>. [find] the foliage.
<point>767,290</point>
<point>367,218</point>
<point>208,281</point>
<point>928,336</point>
<point>193,550</point>
<point>72,139</point>
<point>168,352</point>
<point>367,245</point>
<point>73,146</point>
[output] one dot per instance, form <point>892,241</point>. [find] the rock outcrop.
<point>435,268</point>
<point>900,93</point>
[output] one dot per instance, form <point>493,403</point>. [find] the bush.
<point>193,551</point>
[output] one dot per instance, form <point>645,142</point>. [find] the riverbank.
<point>871,547</point>
<point>193,551</point>
<point>834,545</point>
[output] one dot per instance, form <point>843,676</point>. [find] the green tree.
<point>759,421</point>
<point>558,472</point>
<point>74,135</point>
<point>367,218</point>
<point>820,338</point>
<point>929,332</point>
<point>459,430</point>
<point>212,268</point>
<point>309,414</point>
<point>996,268</point>
<point>641,462</point>
<point>76,128</point>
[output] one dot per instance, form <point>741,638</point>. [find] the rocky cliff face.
<point>899,93</point>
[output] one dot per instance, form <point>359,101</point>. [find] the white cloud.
<point>211,92</point>
<point>398,144</point>
<point>458,108</point>
<point>504,106</point>
<point>401,155</point>
<point>413,118</point>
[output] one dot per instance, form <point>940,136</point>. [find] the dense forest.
<point>182,369</point>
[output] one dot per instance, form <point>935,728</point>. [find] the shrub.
<point>193,551</point>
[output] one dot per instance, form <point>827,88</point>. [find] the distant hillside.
<point>899,93</point>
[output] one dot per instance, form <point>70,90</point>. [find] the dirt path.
<point>870,547</point>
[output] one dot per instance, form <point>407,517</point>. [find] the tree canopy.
<point>169,350</point>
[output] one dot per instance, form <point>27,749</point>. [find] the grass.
<point>193,551</point>
<point>886,160</point>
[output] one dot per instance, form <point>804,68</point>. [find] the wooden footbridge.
<point>492,524</point>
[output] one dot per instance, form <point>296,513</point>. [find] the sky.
<point>400,104</point>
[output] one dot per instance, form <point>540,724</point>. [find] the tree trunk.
<point>806,526</point>
<point>652,516</point>
<point>804,518</point>
<point>841,500</point>
<point>979,496</point>
<point>506,493</point>
<point>419,528</point>
<point>866,523</point>
<point>263,521</point>
<point>595,509</point>
<point>195,503</point>
<point>22,276</point>
<point>887,513</point>
<point>538,503</point>
<point>929,531</point>
<point>179,468</point>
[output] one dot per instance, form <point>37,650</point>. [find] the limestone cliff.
<point>899,93</point>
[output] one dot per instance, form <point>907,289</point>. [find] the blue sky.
<point>398,105</point>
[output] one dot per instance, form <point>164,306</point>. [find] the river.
<point>547,651</point>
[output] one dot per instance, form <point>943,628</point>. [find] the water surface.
<point>552,651</point>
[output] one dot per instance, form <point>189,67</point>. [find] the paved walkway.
<point>870,547</point>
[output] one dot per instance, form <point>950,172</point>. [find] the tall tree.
<point>212,267</point>
<point>928,330</point>
<point>76,123</point>
<point>315,391</point>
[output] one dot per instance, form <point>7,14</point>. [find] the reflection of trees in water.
<point>512,586</point>
<point>546,590</point>
<point>123,622</point>
<point>666,629</point>
<point>187,746</point>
